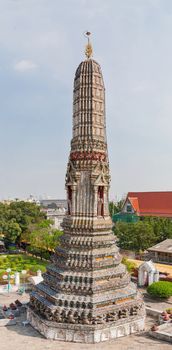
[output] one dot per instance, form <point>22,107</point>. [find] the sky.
<point>41,45</point>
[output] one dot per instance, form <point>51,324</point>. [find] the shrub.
<point>45,255</point>
<point>166,278</point>
<point>25,267</point>
<point>131,266</point>
<point>12,248</point>
<point>13,265</point>
<point>2,281</point>
<point>160,289</point>
<point>35,268</point>
<point>42,268</point>
<point>169,310</point>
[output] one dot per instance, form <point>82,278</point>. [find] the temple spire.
<point>87,295</point>
<point>88,49</point>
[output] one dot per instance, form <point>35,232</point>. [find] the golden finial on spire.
<point>88,49</point>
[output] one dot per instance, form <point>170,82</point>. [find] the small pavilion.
<point>147,274</point>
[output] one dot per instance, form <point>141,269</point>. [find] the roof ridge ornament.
<point>88,48</point>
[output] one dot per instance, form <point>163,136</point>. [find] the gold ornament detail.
<point>88,49</point>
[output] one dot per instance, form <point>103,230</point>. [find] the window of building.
<point>129,208</point>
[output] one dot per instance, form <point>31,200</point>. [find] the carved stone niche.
<point>100,201</point>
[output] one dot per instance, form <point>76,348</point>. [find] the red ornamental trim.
<point>88,156</point>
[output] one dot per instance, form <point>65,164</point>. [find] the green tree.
<point>162,227</point>
<point>131,266</point>
<point>135,236</point>
<point>16,217</point>
<point>11,230</point>
<point>44,237</point>
<point>115,207</point>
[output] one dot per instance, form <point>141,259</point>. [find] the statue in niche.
<point>100,201</point>
<point>69,196</point>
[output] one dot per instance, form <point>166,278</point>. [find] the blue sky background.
<point>41,45</point>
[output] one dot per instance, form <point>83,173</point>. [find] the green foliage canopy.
<point>143,234</point>
<point>115,207</point>
<point>162,227</point>
<point>135,236</point>
<point>16,217</point>
<point>43,236</point>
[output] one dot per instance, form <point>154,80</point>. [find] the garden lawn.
<point>19,262</point>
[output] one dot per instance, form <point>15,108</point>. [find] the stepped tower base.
<point>78,333</point>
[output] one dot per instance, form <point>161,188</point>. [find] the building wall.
<point>57,216</point>
<point>161,257</point>
<point>127,208</point>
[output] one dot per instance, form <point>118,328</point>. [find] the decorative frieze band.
<point>88,156</point>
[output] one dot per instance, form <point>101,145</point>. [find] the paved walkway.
<point>6,299</point>
<point>26,338</point>
<point>160,305</point>
<point>4,288</point>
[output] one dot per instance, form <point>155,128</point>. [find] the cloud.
<point>25,65</point>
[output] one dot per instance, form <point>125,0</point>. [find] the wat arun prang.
<point>87,295</point>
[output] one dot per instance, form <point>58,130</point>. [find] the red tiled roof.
<point>135,203</point>
<point>151,203</point>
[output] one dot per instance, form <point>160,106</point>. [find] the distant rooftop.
<point>164,246</point>
<point>151,203</point>
<point>53,203</point>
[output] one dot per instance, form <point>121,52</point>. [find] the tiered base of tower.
<point>84,333</point>
<point>86,295</point>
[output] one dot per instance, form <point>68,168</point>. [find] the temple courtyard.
<point>21,337</point>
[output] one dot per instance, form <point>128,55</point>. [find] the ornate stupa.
<point>87,295</point>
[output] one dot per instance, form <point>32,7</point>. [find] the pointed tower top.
<point>88,49</point>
